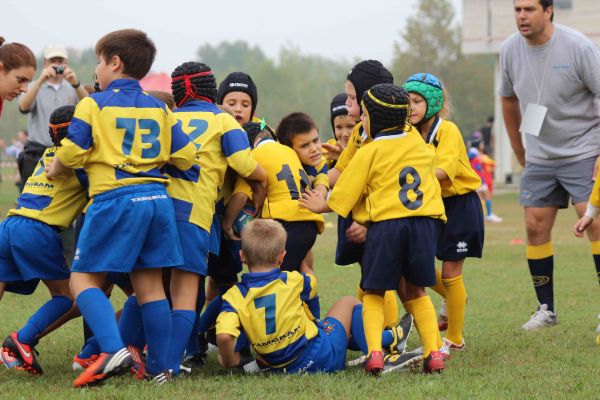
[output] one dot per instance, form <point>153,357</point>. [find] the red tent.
<point>157,81</point>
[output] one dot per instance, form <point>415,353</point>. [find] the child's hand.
<point>357,233</point>
<point>231,234</point>
<point>312,200</point>
<point>333,151</point>
<point>49,171</point>
<point>582,225</point>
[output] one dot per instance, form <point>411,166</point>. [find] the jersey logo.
<point>540,280</point>
<point>27,354</point>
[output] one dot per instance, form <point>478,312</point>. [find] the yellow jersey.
<point>451,157</point>
<point>220,143</point>
<point>358,139</point>
<point>56,202</point>
<point>269,306</point>
<point>393,177</point>
<point>123,136</point>
<point>286,181</point>
<point>318,175</point>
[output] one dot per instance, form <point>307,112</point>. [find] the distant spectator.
<point>488,137</point>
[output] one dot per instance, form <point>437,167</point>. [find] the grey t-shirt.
<point>571,129</point>
<point>47,100</point>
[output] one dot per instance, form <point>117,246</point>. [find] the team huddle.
<point>171,193</point>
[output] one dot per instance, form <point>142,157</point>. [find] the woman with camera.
<point>56,86</point>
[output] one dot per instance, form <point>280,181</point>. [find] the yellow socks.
<point>439,286</point>
<point>424,314</point>
<point>456,300</point>
<point>390,306</point>
<point>372,314</point>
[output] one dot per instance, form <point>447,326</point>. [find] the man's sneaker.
<point>9,361</point>
<point>79,364</point>
<point>433,363</point>
<point>159,379</point>
<point>106,366</point>
<point>406,360</point>
<point>374,363</point>
<point>401,331</point>
<point>453,346</point>
<point>22,352</point>
<point>443,317</point>
<point>494,218</point>
<point>541,318</point>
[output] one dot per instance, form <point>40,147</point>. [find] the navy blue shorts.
<point>225,267</point>
<point>194,244</point>
<point>324,353</point>
<point>400,247</point>
<point>30,250</point>
<point>301,236</point>
<point>346,251</point>
<point>462,236</point>
<point>126,228</point>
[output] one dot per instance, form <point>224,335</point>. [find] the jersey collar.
<point>198,105</point>
<point>389,135</point>
<point>260,276</point>
<point>433,131</point>
<point>124,84</point>
<point>263,141</point>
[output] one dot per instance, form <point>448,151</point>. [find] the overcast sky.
<point>336,29</point>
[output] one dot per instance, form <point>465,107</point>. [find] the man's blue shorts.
<point>30,250</point>
<point>126,228</point>
<point>194,244</point>
<point>400,247</point>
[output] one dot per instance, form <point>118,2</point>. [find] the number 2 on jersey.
<point>149,130</point>
<point>268,303</point>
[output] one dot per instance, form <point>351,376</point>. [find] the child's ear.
<point>281,257</point>
<point>116,63</point>
<point>243,257</point>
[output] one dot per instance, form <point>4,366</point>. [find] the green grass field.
<point>501,361</point>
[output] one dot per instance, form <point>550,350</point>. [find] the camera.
<point>59,68</point>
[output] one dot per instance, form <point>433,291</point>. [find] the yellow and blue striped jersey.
<point>286,181</point>
<point>451,157</point>
<point>220,142</point>
<point>318,175</point>
<point>122,136</point>
<point>393,177</point>
<point>56,202</point>
<point>269,307</point>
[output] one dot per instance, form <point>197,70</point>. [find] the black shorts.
<point>225,267</point>
<point>462,236</point>
<point>347,252</point>
<point>400,247</point>
<point>301,236</point>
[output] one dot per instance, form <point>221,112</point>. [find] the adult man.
<point>57,86</point>
<point>550,77</point>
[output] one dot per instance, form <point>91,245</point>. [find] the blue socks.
<point>314,307</point>
<point>90,348</point>
<point>55,308</point>
<point>100,316</point>
<point>357,333</point>
<point>183,323</point>
<point>193,345</point>
<point>131,326</point>
<point>488,207</point>
<point>156,316</point>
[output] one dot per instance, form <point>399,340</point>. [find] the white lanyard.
<point>539,87</point>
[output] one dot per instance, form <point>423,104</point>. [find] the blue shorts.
<point>400,247</point>
<point>301,236</point>
<point>326,352</point>
<point>462,236</point>
<point>347,252</point>
<point>214,241</point>
<point>194,244</point>
<point>30,250</point>
<point>121,279</point>
<point>126,228</point>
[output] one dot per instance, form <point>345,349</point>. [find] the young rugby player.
<point>268,304</point>
<point>462,235</point>
<point>122,137</point>
<point>31,249</point>
<point>401,200</point>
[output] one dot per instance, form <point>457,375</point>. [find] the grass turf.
<point>501,361</point>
